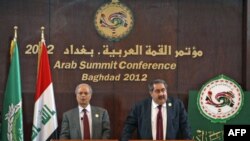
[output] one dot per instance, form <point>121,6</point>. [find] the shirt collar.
<point>81,108</point>
<point>155,105</point>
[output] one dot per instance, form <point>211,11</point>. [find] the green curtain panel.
<point>204,130</point>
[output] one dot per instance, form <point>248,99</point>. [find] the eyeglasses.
<point>163,90</point>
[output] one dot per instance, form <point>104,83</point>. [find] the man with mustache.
<point>157,118</point>
<point>85,121</point>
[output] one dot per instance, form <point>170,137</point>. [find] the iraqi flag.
<point>45,115</point>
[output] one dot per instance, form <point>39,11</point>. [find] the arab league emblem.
<point>220,99</point>
<point>114,20</point>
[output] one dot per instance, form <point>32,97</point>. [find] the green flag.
<point>12,114</point>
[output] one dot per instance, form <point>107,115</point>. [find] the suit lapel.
<point>94,120</point>
<point>169,106</point>
<point>148,129</point>
<point>76,119</point>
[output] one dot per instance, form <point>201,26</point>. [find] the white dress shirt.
<point>154,112</point>
<point>81,113</point>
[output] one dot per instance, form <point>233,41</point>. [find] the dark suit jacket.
<point>140,118</point>
<point>70,128</point>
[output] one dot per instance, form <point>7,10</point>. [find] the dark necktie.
<point>159,126</point>
<point>86,132</point>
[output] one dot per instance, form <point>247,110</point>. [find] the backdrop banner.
<point>204,129</point>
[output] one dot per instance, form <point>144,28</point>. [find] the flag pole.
<point>15,33</point>
<point>40,46</point>
<point>42,33</point>
<point>13,42</point>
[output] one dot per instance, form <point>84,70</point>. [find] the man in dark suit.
<point>73,123</point>
<point>157,118</point>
